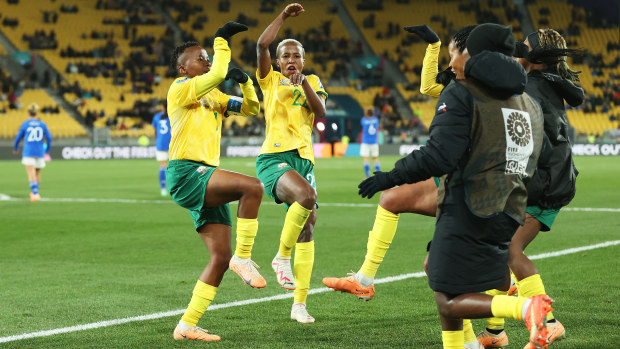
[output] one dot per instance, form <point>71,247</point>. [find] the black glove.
<point>238,75</point>
<point>229,29</point>
<point>445,76</point>
<point>371,185</point>
<point>425,32</point>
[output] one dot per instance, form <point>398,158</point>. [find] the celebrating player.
<point>161,123</point>
<point>196,108</point>
<point>286,161</point>
<point>33,131</point>
<point>551,82</point>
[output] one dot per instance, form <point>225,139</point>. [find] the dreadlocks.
<point>178,51</point>
<point>552,42</point>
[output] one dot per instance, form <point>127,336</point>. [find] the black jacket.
<point>553,184</point>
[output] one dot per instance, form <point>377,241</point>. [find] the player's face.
<point>290,59</point>
<point>457,60</point>
<point>194,62</point>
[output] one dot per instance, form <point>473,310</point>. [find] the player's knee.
<point>446,308</point>
<point>255,187</point>
<point>389,201</point>
<point>307,197</point>
<point>221,260</point>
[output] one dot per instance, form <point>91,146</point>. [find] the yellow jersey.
<point>288,118</point>
<point>196,108</point>
<point>430,68</point>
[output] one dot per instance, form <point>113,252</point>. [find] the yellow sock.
<point>379,240</point>
<point>304,261</point>
<point>296,218</point>
<point>496,323</point>
<point>468,331</point>
<point>246,232</point>
<point>508,307</point>
<point>532,286</point>
<point>452,339</point>
<point>202,296</point>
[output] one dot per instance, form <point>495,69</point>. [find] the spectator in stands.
<point>161,124</point>
<point>196,108</point>
<point>286,163</point>
<point>37,143</point>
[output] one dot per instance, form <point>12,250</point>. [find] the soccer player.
<point>196,108</point>
<point>551,82</point>
<point>370,140</point>
<point>161,123</point>
<point>484,140</point>
<point>32,131</point>
<point>286,161</point>
<point>420,197</point>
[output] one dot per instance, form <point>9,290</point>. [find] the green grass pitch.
<point>103,245</point>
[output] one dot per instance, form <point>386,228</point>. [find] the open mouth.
<point>291,70</point>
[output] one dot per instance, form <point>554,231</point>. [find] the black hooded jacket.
<point>451,126</point>
<point>553,184</point>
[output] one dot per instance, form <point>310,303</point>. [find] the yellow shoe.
<point>536,320</point>
<point>350,285</point>
<point>490,340</point>
<point>556,332</point>
<point>34,197</point>
<point>195,333</point>
<point>246,269</point>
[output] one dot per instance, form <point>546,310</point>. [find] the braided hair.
<point>460,37</point>
<point>178,51</point>
<point>553,43</point>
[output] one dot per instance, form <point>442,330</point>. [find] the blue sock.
<point>367,169</point>
<point>162,177</point>
<point>34,187</point>
<point>377,166</point>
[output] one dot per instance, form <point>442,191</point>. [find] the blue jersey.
<point>162,131</point>
<point>370,126</point>
<point>33,131</point>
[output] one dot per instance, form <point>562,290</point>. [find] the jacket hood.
<point>500,73</point>
<point>572,93</point>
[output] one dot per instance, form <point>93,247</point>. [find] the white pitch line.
<point>4,197</point>
<point>259,300</point>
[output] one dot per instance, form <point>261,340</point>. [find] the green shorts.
<point>545,217</point>
<point>269,168</point>
<point>437,181</point>
<point>187,183</point>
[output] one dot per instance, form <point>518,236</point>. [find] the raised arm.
<point>250,105</point>
<point>267,37</point>
<point>430,65</point>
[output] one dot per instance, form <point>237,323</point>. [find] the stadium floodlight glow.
<point>334,126</point>
<point>320,126</point>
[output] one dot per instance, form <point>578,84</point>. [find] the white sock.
<point>363,279</point>
<point>239,259</point>
<point>525,306</point>
<point>183,326</point>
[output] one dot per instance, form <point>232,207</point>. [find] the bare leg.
<point>226,186</point>
<point>217,239</point>
<point>518,262</point>
<point>421,198</point>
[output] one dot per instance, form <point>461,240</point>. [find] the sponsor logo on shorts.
<point>202,170</point>
<point>282,165</point>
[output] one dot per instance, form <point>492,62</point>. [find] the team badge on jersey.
<point>285,82</point>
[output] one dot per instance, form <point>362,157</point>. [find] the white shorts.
<point>161,155</point>
<point>32,161</point>
<point>369,150</point>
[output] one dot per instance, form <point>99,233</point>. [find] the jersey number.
<point>298,94</point>
<point>163,127</point>
<point>310,179</point>
<point>35,134</point>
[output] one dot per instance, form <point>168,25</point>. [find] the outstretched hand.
<point>293,10</point>
<point>238,75</point>
<point>424,32</point>
<point>229,29</point>
<point>445,76</point>
<point>371,185</point>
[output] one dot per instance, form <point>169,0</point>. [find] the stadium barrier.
<point>321,150</point>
